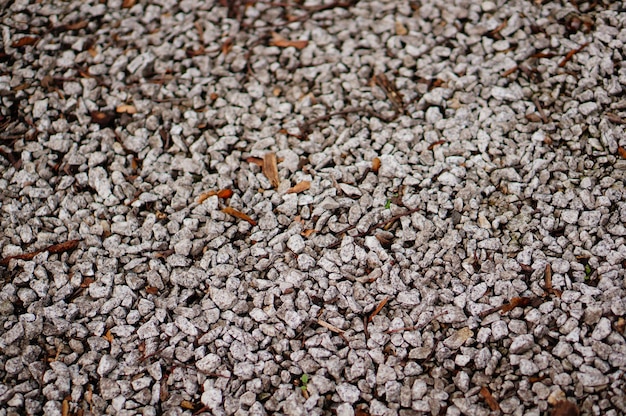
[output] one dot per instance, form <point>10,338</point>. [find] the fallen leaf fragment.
<point>187,405</point>
<point>565,408</point>
<point>489,399</point>
<point>307,232</point>
<point>53,249</point>
<point>65,407</point>
<point>299,187</point>
<point>380,306</point>
<point>330,327</point>
<point>281,42</point>
<point>621,151</point>
<point>434,144</point>
<point>222,194</point>
<point>126,108</point>
<point>238,214</point>
<point>515,302</point>
<point>270,168</point>
<point>108,336</point>
<point>151,290</point>
<point>25,41</point>
<point>255,160</point>
<point>103,118</point>
<point>127,4</point>
<point>375,165</point>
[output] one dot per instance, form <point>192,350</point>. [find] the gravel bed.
<point>443,232</point>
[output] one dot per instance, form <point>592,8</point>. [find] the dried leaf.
<point>375,165</point>
<point>187,405</point>
<point>108,336</point>
<point>151,290</point>
<point>227,46</point>
<point>126,108</point>
<point>361,411</point>
<point>380,306</point>
<point>65,407</point>
<point>76,26</point>
<point>53,249</point>
<point>25,41</point>
<point>103,118</point>
<point>548,278</point>
<point>515,302</point>
<point>565,408</point>
<point>255,160</point>
<point>307,232</point>
<point>614,118</point>
<point>434,144</point>
<point>281,42</point>
<point>127,4</point>
<point>270,168</point>
<point>491,402</point>
<point>401,30</point>
<point>621,151</point>
<point>299,187</point>
<point>222,193</point>
<point>238,214</point>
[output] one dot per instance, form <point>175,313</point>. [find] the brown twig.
<point>571,54</point>
<point>53,249</point>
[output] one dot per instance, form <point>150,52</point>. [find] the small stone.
<point>569,216</point>
<point>419,389</point>
<point>602,329</point>
<point>99,180</point>
<point>588,108</point>
<point>224,299</point>
<point>456,340</point>
<point>296,243</point>
<point>212,397</point>
<point>209,363</point>
<point>527,367</point>
<point>106,365</point>
<point>514,93</point>
<point>448,179</point>
<point>348,393</point>
<point>522,344</point>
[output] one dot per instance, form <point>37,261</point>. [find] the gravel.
<point>446,234</point>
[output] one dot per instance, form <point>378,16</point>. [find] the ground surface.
<point>443,232</point>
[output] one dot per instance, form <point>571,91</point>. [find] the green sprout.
<point>388,204</point>
<point>588,271</point>
<point>304,379</point>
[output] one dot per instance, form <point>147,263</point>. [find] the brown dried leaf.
<point>434,144</point>
<point>222,193</point>
<point>270,168</point>
<point>255,160</point>
<point>307,232</point>
<point>375,165</point>
<point>380,306</point>
<point>281,42</point>
<point>299,187</point>
<point>126,108</point>
<point>187,405</point>
<point>76,26</point>
<point>65,407</point>
<point>489,399</point>
<point>127,4</point>
<point>108,336</point>
<point>151,290</point>
<point>565,408</point>
<point>25,41</point>
<point>621,151</point>
<point>515,302</point>
<point>227,46</point>
<point>53,249</point>
<point>238,214</point>
<point>103,118</point>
